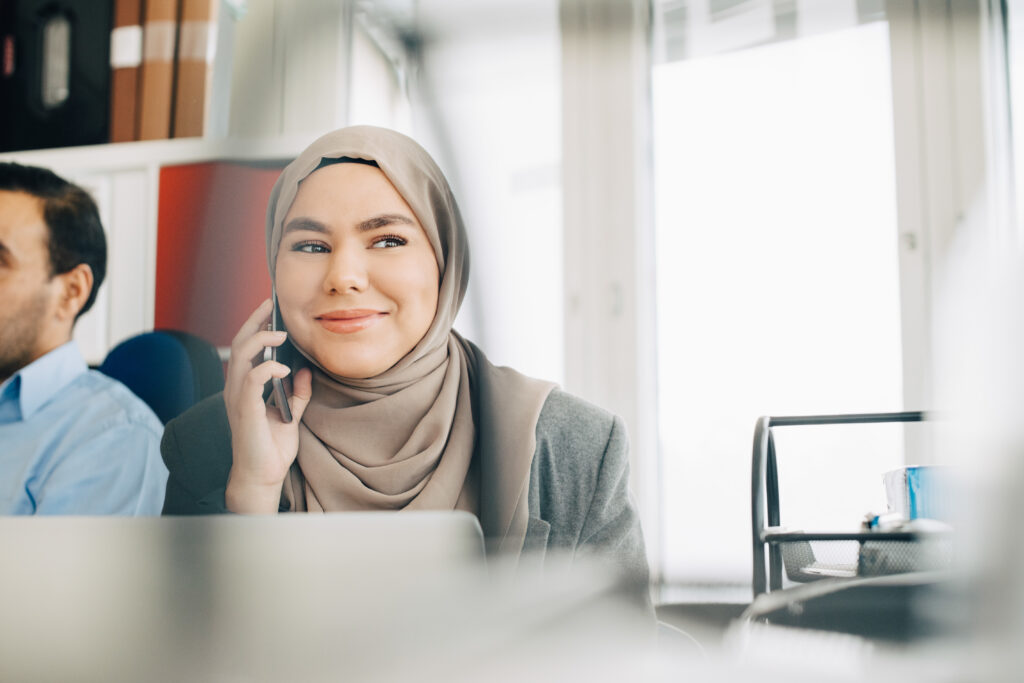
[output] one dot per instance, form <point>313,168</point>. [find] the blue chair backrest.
<point>168,369</point>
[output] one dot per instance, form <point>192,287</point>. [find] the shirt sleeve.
<point>117,471</point>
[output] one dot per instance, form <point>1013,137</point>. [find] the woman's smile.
<point>350,320</point>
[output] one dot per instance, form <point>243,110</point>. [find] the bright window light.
<point>778,287</point>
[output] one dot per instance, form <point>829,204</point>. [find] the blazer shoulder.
<point>196,445</point>
<point>576,440</point>
<point>570,426</point>
<point>209,415</point>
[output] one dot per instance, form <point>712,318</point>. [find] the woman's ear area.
<point>74,286</point>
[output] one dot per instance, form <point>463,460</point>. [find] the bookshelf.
<point>122,156</point>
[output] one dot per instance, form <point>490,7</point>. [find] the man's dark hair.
<point>76,234</point>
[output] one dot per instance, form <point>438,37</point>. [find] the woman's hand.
<point>263,446</point>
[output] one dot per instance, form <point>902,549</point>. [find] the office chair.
<point>168,369</point>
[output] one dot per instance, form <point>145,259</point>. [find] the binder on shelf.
<point>55,78</point>
<point>125,65</point>
<point>204,54</point>
<point>156,92</point>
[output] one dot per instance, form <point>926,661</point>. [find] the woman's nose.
<point>347,271</point>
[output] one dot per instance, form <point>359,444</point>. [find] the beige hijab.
<point>442,429</point>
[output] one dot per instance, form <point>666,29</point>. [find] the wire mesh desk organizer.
<point>886,546</point>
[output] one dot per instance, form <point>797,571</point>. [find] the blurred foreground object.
<point>349,596</point>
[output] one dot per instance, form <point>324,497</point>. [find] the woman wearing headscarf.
<point>392,409</point>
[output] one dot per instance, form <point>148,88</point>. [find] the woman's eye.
<point>311,247</point>
<point>387,241</point>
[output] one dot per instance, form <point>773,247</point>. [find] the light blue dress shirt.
<point>75,442</point>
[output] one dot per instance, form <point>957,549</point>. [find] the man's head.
<point>53,256</point>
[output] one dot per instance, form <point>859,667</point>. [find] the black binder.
<point>54,73</point>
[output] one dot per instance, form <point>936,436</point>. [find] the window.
<point>777,279</point>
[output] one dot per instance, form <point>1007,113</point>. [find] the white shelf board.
<point>144,154</point>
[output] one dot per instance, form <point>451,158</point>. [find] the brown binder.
<point>197,36</point>
<point>159,37</point>
<point>125,63</point>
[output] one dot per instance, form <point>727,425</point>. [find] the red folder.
<point>211,266</point>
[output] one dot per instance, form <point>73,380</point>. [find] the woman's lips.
<point>347,322</point>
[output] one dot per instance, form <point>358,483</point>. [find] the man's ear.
<point>75,287</point>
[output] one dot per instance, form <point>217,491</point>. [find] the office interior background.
<point>691,212</point>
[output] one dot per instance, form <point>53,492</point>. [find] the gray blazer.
<point>579,499</point>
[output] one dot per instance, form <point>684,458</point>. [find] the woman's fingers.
<point>302,391</point>
<point>239,364</point>
<point>253,347</point>
<point>255,322</point>
<point>256,378</point>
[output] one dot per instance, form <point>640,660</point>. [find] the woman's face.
<point>357,280</point>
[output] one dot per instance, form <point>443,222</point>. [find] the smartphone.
<point>277,394</point>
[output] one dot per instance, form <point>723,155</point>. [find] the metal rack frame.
<point>765,495</point>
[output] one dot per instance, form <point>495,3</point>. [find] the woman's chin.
<point>356,369</point>
<point>346,361</point>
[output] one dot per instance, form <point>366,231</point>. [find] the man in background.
<point>72,441</point>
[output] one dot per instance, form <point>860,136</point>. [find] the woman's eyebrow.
<point>297,224</point>
<point>383,220</point>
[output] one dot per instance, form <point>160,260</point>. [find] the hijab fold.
<point>442,429</point>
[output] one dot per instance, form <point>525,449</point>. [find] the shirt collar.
<point>42,379</point>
